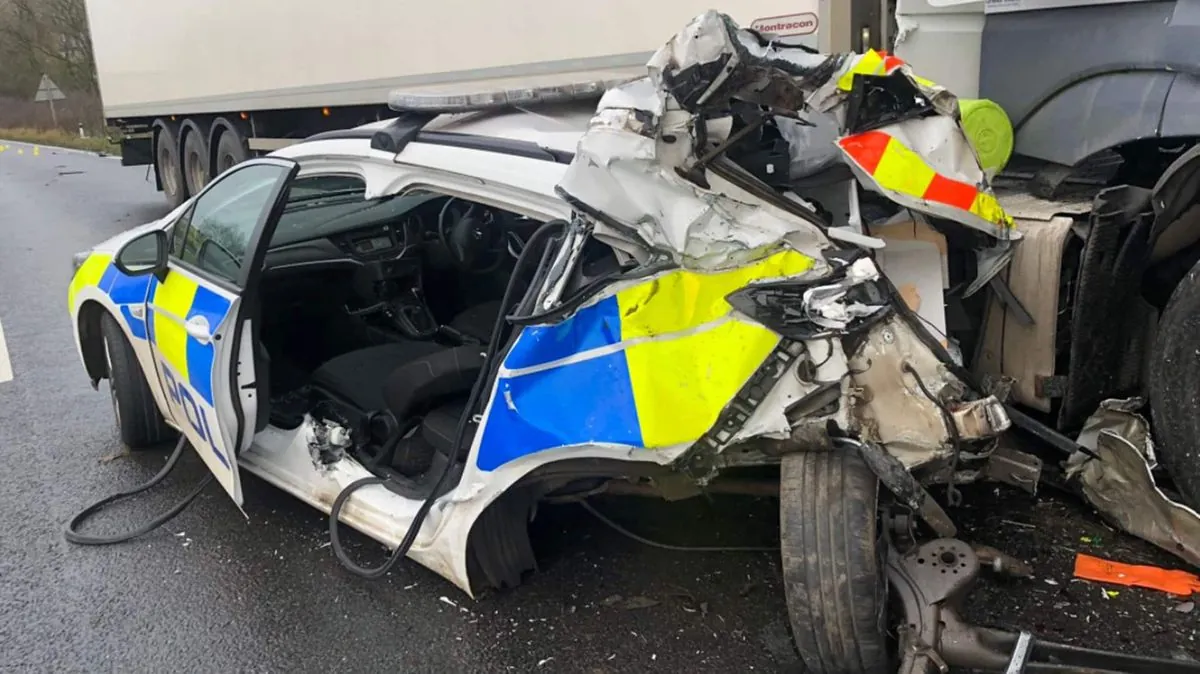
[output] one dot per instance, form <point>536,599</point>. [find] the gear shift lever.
<point>412,317</point>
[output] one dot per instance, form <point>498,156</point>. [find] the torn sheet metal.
<point>928,164</point>
<point>1120,483</point>
<point>328,441</point>
<point>648,134</point>
<point>624,167</point>
<point>897,413</point>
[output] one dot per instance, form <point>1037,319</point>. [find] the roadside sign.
<point>48,91</point>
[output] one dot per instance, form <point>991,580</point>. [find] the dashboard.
<point>387,231</point>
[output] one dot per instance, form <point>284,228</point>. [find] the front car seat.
<point>357,377</point>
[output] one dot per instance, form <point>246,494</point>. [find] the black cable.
<point>459,434</point>
<point>952,493</point>
<point>666,546</point>
<point>71,531</point>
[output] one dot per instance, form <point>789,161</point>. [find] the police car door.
<point>202,345</point>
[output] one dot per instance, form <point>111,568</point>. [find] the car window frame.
<point>184,223</point>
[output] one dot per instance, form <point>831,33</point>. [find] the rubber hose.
<point>71,531</point>
<point>460,432</point>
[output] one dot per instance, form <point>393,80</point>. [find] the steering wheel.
<point>470,232</point>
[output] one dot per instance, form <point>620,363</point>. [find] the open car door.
<point>197,323</point>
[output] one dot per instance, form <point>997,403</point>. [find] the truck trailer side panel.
<point>217,56</point>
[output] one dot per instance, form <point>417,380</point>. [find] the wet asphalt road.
<point>219,591</point>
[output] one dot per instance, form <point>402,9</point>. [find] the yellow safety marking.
<point>36,150</point>
<point>987,207</point>
<point>174,296</point>
<point>902,170</point>
<point>680,300</point>
<point>924,82</point>
<point>89,274</point>
<point>871,63</point>
<point>681,385</point>
<point>20,151</point>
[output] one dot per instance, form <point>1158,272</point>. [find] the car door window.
<point>215,232</point>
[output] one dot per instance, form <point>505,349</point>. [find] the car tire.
<point>195,162</point>
<point>833,564</point>
<point>170,171</point>
<point>231,150</point>
<point>139,421</point>
<point>1174,387</point>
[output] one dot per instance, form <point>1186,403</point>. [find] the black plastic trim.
<point>509,146</point>
<point>342,134</point>
<point>406,129</point>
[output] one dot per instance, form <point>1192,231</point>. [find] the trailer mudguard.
<point>1078,80</point>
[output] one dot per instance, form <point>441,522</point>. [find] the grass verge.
<point>59,138</point>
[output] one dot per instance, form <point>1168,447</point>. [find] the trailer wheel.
<point>231,150</point>
<point>1174,387</point>
<point>833,566</point>
<point>170,172</point>
<point>195,162</point>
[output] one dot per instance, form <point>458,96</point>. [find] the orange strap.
<point>1152,577</point>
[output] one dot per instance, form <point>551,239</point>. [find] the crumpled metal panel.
<point>1120,483</point>
<point>646,133</point>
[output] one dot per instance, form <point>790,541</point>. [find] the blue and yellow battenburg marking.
<point>649,365</point>
<point>185,358</point>
<point>180,295</point>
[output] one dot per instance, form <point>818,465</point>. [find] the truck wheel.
<point>1174,387</point>
<point>170,172</point>
<point>139,420</point>
<point>195,162</point>
<point>833,566</point>
<point>231,150</point>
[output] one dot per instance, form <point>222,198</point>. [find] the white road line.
<point>6,373</point>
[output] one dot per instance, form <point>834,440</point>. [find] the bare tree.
<point>49,36</point>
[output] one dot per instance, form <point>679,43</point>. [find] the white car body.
<point>702,230</point>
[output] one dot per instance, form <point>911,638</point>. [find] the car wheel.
<point>170,171</point>
<point>195,162</point>
<point>139,421</point>
<point>1174,387</point>
<point>833,564</point>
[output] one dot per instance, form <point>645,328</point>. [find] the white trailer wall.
<point>157,58</point>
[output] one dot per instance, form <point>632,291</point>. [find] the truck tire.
<point>195,162</point>
<point>231,150</point>
<point>170,172</point>
<point>833,566</point>
<point>1174,387</point>
<point>139,421</point>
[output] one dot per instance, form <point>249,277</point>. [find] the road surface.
<point>216,591</point>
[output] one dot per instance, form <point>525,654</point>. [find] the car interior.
<point>375,314</point>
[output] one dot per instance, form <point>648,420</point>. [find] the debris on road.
<point>630,604</point>
<point>1120,484</point>
<point>1002,563</point>
<point>1134,575</point>
<point>119,454</point>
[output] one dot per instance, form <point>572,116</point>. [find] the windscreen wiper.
<point>327,195</point>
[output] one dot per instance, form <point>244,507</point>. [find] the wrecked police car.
<point>426,325</point>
